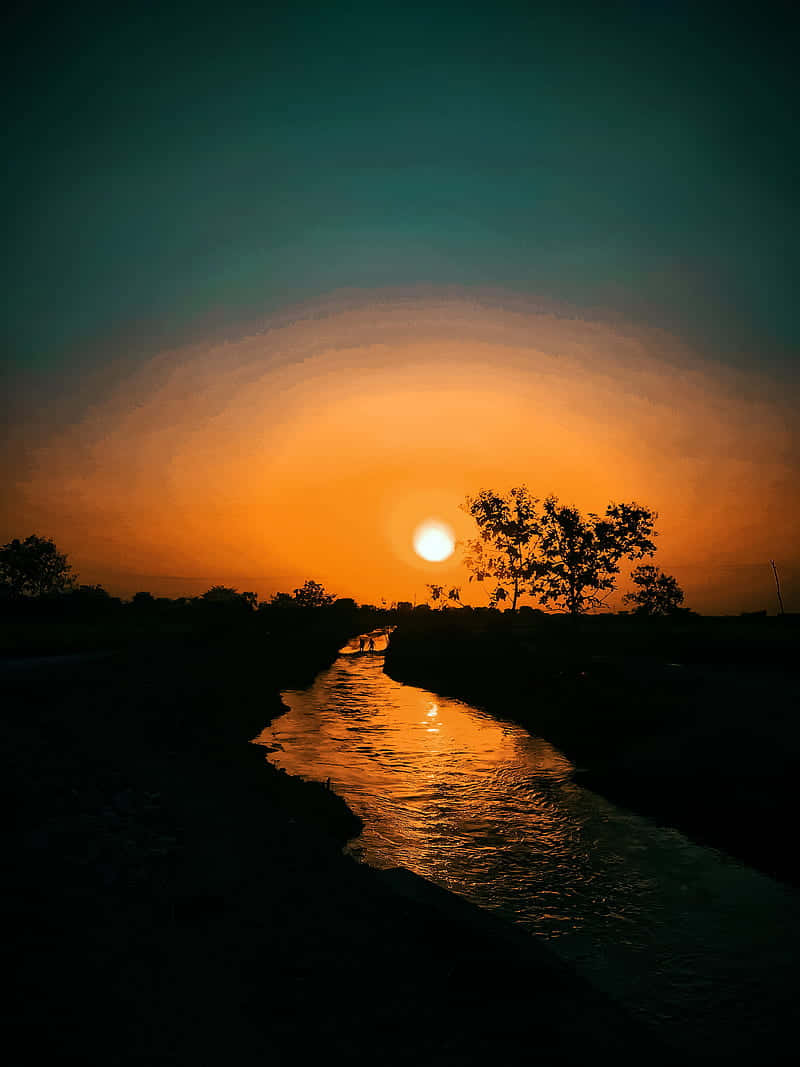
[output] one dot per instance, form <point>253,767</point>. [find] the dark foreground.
<point>175,900</point>
<point>691,722</point>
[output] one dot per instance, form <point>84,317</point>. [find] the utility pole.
<point>777,587</point>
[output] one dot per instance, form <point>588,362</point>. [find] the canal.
<point>700,946</point>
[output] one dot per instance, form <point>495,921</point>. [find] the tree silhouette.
<point>440,598</point>
<point>506,547</point>
<point>312,595</point>
<point>580,556</point>
<point>34,567</point>
<point>94,593</point>
<point>658,593</point>
<point>220,594</point>
<point>223,594</point>
<point>555,554</point>
<point>435,594</point>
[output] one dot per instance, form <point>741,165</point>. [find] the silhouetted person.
<point>361,643</point>
<point>371,646</point>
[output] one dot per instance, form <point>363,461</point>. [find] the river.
<point>700,946</point>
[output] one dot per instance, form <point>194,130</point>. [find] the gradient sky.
<point>260,264</point>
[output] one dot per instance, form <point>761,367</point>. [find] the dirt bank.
<point>178,901</point>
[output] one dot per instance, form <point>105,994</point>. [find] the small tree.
<point>225,595</point>
<point>435,594</point>
<point>506,547</point>
<point>34,567</point>
<point>281,601</point>
<point>657,593</point>
<point>312,595</point>
<point>439,598</point>
<point>94,593</point>
<point>220,594</point>
<point>454,596</point>
<point>580,556</point>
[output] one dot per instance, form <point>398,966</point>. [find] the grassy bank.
<point>691,722</point>
<point>177,900</point>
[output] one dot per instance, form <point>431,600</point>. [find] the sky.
<point>283,281</point>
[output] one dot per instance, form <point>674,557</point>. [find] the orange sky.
<point>314,447</point>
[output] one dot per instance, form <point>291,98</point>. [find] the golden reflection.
<point>433,792</point>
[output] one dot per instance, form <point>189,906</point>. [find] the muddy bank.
<point>708,743</point>
<point>176,900</point>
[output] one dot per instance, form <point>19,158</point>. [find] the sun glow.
<point>316,444</point>
<point>434,541</point>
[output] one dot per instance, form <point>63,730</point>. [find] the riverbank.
<point>177,900</point>
<point>690,723</point>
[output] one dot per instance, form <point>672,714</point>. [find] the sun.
<point>434,540</point>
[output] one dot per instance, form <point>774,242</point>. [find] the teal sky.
<point>167,167</point>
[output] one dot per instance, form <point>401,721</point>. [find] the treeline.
<point>38,582</point>
<point>565,560</point>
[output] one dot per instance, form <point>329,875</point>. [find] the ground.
<point>176,900</point>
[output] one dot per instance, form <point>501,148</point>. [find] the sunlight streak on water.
<point>681,934</point>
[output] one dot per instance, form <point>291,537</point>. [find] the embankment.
<point>693,724</point>
<point>179,901</point>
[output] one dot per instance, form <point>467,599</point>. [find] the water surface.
<point>696,943</point>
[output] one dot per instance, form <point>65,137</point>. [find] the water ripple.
<point>699,945</point>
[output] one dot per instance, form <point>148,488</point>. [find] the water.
<point>699,945</point>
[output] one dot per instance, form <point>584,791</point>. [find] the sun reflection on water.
<point>480,807</point>
<point>429,776</point>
